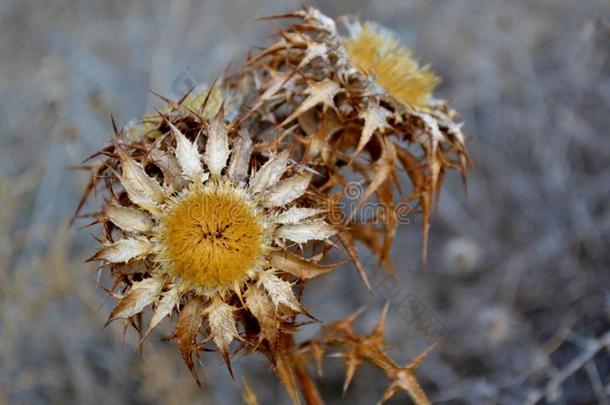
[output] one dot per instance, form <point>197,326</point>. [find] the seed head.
<point>357,106</point>
<point>199,219</point>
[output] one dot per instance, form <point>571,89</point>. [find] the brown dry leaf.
<point>385,195</point>
<point>317,142</point>
<point>260,305</point>
<point>299,267</point>
<point>240,158</point>
<point>370,348</point>
<point>421,191</point>
<point>187,328</point>
<point>406,380</point>
<point>321,92</point>
<point>382,168</point>
<point>374,118</point>
<point>296,215</point>
<point>285,372</point>
<point>348,243</point>
<point>413,168</point>
<point>314,50</point>
<point>370,237</point>
<point>352,362</point>
<point>169,166</point>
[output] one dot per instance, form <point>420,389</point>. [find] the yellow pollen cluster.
<point>212,237</point>
<point>395,69</point>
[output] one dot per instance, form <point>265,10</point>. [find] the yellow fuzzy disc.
<point>375,51</point>
<point>212,237</point>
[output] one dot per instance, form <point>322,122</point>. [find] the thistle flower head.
<point>209,227</point>
<point>338,98</point>
<point>213,237</point>
<point>376,51</point>
<point>213,219</point>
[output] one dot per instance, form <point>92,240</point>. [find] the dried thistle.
<point>218,215</point>
<point>336,96</point>
<point>203,222</point>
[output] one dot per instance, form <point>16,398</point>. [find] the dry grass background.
<point>518,274</point>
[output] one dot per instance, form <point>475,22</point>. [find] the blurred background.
<point>518,279</point>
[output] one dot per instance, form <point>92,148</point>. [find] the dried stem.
<point>575,365</point>
<point>306,383</point>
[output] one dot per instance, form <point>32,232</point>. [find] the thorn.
<point>117,133</point>
<point>227,360</point>
<point>378,331</point>
<point>292,14</point>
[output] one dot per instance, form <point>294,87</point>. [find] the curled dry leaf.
<point>299,267</point>
<point>375,118</point>
<point>382,170</point>
<point>285,371</point>
<point>356,349</point>
<point>169,166</point>
<point>348,243</point>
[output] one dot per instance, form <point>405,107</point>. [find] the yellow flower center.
<point>373,51</point>
<point>213,237</point>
